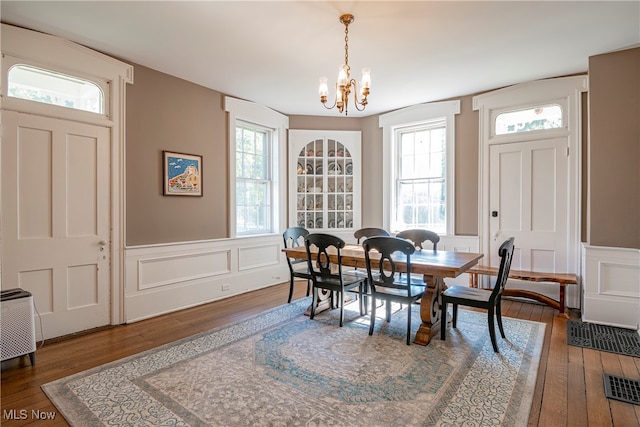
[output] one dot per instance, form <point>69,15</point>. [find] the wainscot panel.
<point>164,278</point>
<point>611,280</point>
<point>167,270</point>
<point>259,256</point>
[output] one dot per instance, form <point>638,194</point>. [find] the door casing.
<point>565,91</point>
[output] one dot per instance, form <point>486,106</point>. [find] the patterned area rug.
<point>281,368</point>
<point>603,337</point>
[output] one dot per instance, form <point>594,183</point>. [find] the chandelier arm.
<point>356,101</point>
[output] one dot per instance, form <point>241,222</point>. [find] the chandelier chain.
<point>346,46</point>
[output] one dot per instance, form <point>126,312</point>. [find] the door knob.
<point>102,242</point>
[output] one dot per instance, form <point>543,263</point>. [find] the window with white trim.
<point>257,178</point>
<point>420,181</point>
<point>253,179</point>
<point>418,167</point>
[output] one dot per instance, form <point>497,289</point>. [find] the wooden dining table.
<point>435,266</point>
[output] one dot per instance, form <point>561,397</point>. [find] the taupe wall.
<point>614,149</point>
<point>166,113</point>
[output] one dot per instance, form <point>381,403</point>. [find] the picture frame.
<point>182,174</point>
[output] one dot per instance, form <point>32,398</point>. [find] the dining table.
<point>434,266</point>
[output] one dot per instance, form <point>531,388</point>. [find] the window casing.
<point>418,167</point>
<point>257,178</point>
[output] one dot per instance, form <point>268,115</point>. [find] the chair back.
<point>418,236</point>
<point>381,267</point>
<point>319,246</point>
<point>506,255</point>
<point>364,233</point>
<point>294,237</point>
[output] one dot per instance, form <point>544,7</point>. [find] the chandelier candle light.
<point>345,83</point>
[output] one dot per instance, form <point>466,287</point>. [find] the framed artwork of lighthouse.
<point>182,174</point>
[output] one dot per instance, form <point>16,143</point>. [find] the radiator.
<point>17,327</point>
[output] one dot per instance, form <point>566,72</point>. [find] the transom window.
<point>253,179</point>
<point>531,119</point>
<point>48,87</point>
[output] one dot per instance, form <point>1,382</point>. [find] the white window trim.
<point>263,116</point>
<point>408,117</point>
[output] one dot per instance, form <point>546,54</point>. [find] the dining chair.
<point>419,236</point>
<point>294,237</point>
<point>361,235</point>
<point>327,274</point>
<point>366,232</point>
<point>481,298</point>
<point>382,255</point>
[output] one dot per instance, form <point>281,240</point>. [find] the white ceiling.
<point>273,52</point>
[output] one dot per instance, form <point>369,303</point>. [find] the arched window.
<point>541,117</point>
<point>49,87</point>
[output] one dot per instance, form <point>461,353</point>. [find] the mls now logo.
<point>23,414</point>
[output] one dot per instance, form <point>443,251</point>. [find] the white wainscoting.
<point>611,283</point>
<point>164,278</point>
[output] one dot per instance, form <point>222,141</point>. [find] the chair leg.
<point>443,320</point>
<point>499,317</point>
<point>341,303</point>
<point>314,302</point>
<point>492,330</point>
<point>454,320</point>
<point>291,283</point>
<point>373,314</point>
<point>409,325</point>
<point>309,284</point>
<point>387,304</point>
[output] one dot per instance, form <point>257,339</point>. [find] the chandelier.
<point>345,84</point>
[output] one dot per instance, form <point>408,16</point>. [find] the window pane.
<point>253,184</point>
<point>422,204</point>
<point>538,118</point>
<point>44,86</point>
<point>421,184</point>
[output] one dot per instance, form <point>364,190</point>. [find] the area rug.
<point>281,368</point>
<point>603,338</point>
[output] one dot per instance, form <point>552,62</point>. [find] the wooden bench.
<point>562,279</point>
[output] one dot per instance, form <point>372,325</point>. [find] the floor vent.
<point>622,389</point>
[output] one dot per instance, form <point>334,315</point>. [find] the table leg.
<point>430,310</point>
<point>324,302</point>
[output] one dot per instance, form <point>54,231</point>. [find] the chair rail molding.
<point>611,286</point>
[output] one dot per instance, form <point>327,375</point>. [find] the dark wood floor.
<point>569,389</point>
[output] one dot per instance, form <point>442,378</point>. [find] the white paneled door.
<point>55,214</point>
<point>528,200</point>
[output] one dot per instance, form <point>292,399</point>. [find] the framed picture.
<point>182,174</point>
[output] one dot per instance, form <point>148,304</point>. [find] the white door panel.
<point>528,200</point>
<point>55,211</point>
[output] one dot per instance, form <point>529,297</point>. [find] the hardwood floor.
<point>569,390</point>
